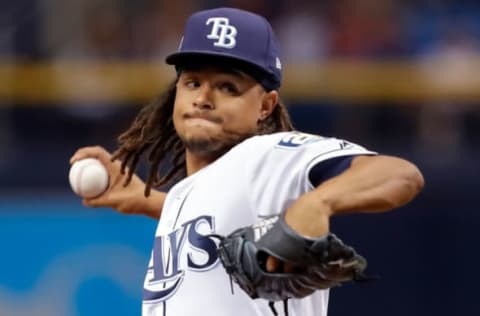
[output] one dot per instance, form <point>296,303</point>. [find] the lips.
<point>202,116</point>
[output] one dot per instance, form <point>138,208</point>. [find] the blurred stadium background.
<point>400,77</point>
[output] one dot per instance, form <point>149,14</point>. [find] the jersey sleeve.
<point>283,164</point>
<point>331,164</point>
<point>330,168</point>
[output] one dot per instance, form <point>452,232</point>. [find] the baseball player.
<point>244,230</point>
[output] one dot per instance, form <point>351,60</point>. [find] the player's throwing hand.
<point>123,197</point>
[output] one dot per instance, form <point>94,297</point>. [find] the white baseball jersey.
<point>259,177</point>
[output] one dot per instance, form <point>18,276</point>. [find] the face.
<point>216,109</point>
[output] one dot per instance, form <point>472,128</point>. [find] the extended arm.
<point>371,184</point>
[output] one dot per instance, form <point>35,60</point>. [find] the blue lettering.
<point>202,242</point>
<point>167,273</point>
<point>298,139</point>
<point>162,294</point>
<point>160,272</point>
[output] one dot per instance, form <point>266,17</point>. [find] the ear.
<point>269,102</point>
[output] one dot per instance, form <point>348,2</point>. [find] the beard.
<point>211,146</point>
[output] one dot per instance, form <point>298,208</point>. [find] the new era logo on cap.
<point>233,34</point>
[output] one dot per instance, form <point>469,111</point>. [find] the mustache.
<point>203,115</point>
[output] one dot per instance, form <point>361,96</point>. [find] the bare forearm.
<point>130,199</point>
<point>371,184</point>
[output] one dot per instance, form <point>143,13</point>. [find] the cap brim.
<point>209,57</point>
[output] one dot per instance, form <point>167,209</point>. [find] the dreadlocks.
<point>153,134</point>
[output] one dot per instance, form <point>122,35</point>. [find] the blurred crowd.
<point>308,30</point>
<point>445,34</point>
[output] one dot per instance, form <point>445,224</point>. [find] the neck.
<point>195,162</point>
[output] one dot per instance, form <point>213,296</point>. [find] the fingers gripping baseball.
<point>117,195</point>
<point>92,152</point>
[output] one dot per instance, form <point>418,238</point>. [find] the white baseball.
<point>88,178</point>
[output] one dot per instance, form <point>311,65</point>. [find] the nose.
<point>204,96</point>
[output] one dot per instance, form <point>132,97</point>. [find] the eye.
<point>191,83</point>
<point>229,88</point>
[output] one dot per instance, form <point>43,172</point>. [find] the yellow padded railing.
<point>340,81</point>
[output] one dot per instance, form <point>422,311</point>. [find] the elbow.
<point>415,179</point>
<point>409,184</point>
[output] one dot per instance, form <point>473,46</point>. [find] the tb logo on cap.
<point>223,32</point>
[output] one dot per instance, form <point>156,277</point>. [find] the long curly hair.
<point>152,135</point>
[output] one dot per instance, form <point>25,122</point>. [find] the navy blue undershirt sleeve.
<point>330,168</point>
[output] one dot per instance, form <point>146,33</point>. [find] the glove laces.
<point>274,310</point>
<point>271,304</point>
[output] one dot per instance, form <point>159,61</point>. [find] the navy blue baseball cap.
<point>233,38</point>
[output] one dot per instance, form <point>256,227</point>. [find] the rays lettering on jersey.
<point>166,274</point>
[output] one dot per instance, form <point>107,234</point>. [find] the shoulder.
<point>281,148</point>
<point>285,147</point>
<point>298,147</point>
<point>283,139</point>
<point>294,141</point>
